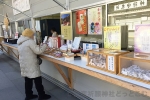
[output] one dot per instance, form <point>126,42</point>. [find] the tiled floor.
<point>12,84</point>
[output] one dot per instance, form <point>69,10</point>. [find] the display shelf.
<point>135,66</point>
<point>104,59</point>
<point>80,66</point>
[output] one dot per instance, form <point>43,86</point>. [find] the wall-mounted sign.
<point>22,5</point>
<point>66,25</point>
<point>130,5</point>
<point>112,37</point>
<point>95,21</point>
<point>81,22</point>
<point>142,39</point>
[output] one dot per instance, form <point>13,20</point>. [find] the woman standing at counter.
<point>30,69</point>
<point>54,33</point>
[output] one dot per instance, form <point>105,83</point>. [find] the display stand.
<point>104,59</point>
<point>139,70</point>
<point>10,49</point>
<point>135,65</point>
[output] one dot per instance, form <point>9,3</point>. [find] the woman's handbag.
<point>39,60</point>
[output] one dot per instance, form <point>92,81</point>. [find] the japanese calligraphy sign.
<point>111,66</point>
<point>95,21</point>
<point>142,39</point>
<point>112,37</point>
<point>66,25</point>
<point>81,22</point>
<point>130,5</point>
<point>22,5</point>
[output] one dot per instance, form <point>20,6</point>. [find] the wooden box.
<point>135,66</point>
<point>104,59</point>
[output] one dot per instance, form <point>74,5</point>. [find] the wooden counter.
<point>80,66</point>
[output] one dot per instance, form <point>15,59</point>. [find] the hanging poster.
<point>112,37</point>
<point>66,25</point>
<point>22,5</point>
<point>81,22</point>
<point>95,21</point>
<point>142,38</point>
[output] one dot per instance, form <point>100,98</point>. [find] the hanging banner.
<point>142,38</point>
<point>95,21</point>
<point>112,37</point>
<point>66,25</point>
<point>22,5</point>
<point>81,22</point>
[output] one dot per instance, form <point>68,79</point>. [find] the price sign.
<point>111,63</point>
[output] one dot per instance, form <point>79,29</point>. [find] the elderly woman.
<point>30,69</point>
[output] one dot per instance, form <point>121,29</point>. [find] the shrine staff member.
<point>54,33</point>
<point>29,65</point>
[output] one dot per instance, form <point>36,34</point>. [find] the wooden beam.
<point>70,77</point>
<point>5,50</point>
<point>62,74</point>
<point>14,54</point>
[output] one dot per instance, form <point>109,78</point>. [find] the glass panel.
<point>137,56</point>
<point>131,13</point>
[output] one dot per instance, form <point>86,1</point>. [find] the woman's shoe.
<point>44,97</point>
<point>31,97</point>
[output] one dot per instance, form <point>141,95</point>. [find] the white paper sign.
<point>76,42</point>
<point>22,5</point>
<point>111,63</point>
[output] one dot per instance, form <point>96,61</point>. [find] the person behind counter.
<point>29,65</point>
<point>54,33</point>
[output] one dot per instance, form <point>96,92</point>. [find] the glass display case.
<point>135,66</point>
<point>104,59</point>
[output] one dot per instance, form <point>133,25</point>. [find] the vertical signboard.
<point>81,22</point>
<point>66,25</point>
<point>95,21</point>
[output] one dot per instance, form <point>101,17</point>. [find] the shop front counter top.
<point>80,66</point>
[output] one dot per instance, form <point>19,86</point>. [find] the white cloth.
<point>28,51</point>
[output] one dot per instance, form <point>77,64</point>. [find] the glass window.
<point>131,13</point>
